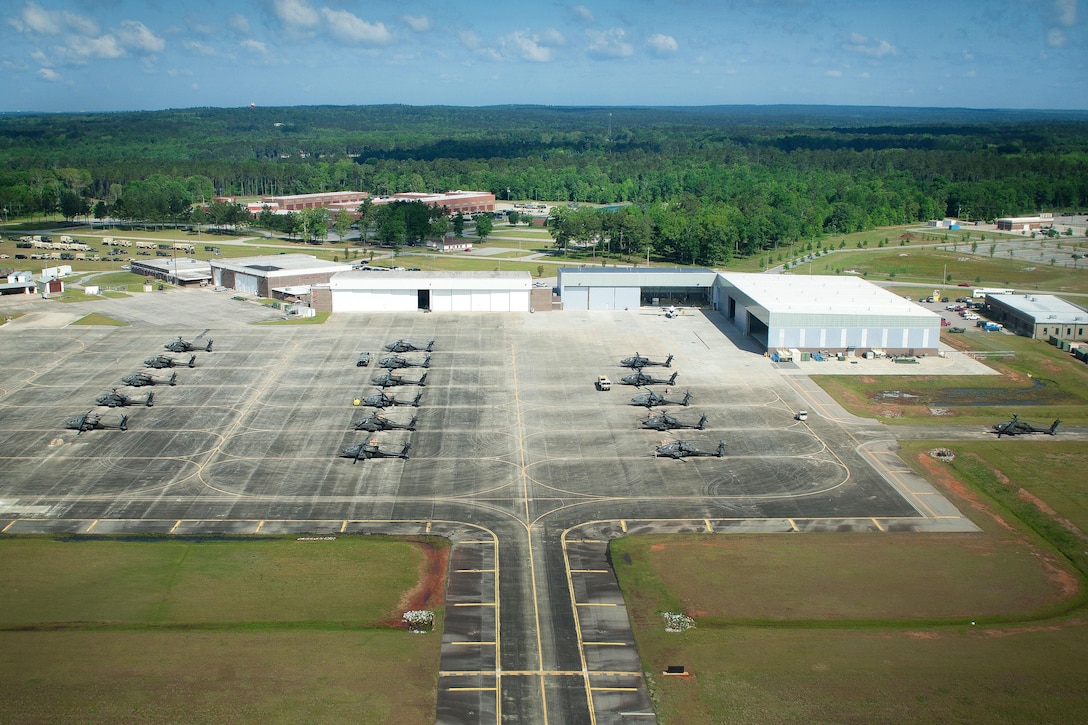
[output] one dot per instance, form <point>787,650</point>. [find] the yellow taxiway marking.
<point>260,525</point>
<point>10,523</point>
<point>877,524</point>
<point>709,528</point>
<point>91,527</point>
<point>470,689</point>
<point>474,604</point>
<point>793,525</point>
<point>428,529</point>
<point>623,525</point>
<point>589,571</point>
<point>614,689</point>
<point>175,526</point>
<point>343,526</point>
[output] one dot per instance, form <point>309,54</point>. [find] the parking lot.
<point>514,444</point>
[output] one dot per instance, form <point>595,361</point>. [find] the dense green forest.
<point>705,183</point>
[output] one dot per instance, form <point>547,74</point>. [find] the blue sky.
<point>73,55</point>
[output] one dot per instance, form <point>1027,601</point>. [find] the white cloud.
<point>858,43</point>
<point>663,44</point>
<point>350,28</point>
<point>527,46</point>
<point>418,23</point>
<point>104,46</point>
<point>239,23</point>
<point>36,19</point>
<point>1056,38</point>
<point>1067,12</point>
<point>254,47</point>
<point>136,36</point>
<point>582,13</point>
<point>609,43</point>
<point>833,73</point>
<point>469,39</point>
<point>295,13</point>
<point>49,74</point>
<point>198,48</point>
<point>968,55</point>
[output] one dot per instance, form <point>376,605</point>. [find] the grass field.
<point>96,319</point>
<point>877,628</point>
<point>1039,382</point>
<point>213,630</point>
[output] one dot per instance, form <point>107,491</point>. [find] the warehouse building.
<point>370,291</point>
<point>628,288</point>
<point>1038,316</point>
<point>262,276</point>
<point>183,271</point>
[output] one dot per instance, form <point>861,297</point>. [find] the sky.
<point>118,55</point>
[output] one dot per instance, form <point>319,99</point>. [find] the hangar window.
<point>264,267</point>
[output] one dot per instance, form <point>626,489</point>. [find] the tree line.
<point>709,183</point>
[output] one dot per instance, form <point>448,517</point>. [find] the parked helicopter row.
<point>376,420</point>
<point>661,420</point>
<point>111,419</point>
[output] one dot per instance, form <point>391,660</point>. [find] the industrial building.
<point>802,312</point>
<point>373,291</point>
<point>182,271</point>
<point>1038,316</point>
<point>1025,223</point>
<point>268,275</point>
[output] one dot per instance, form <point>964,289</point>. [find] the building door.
<point>424,296</point>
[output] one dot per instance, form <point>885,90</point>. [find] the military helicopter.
<point>396,361</point>
<point>167,361</point>
<point>638,362</point>
<point>1017,427</point>
<point>148,377</point>
<point>376,422</point>
<point>391,378</point>
<point>640,378</point>
<point>664,421</point>
<point>94,420</point>
<point>649,399</point>
<point>381,399</point>
<point>181,345</point>
<point>114,399</point>
<point>405,346</point>
<point>684,449</point>
<point>370,449</point>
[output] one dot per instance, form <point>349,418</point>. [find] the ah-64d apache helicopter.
<point>181,345</point>
<point>382,399</point>
<point>405,346</point>
<point>391,378</point>
<point>168,361</point>
<point>1017,427</point>
<point>114,399</point>
<point>377,422</point>
<point>664,421</point>
<point>649,399</point>
<point>684,449</point>
<point>396,361</point>
<point>149,377</point>
<point>93,420</point>
<point>640,378</point>
<point>638,362</point>
<point>371,449</point>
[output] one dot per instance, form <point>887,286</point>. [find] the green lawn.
<point>859,628</point>
<point>212,630</point>
<point>97,319</point>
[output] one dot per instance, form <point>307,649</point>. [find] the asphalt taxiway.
<point>516,458</point>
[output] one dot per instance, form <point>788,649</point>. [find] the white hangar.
<point>804,312</point>
<point>371,291</point>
